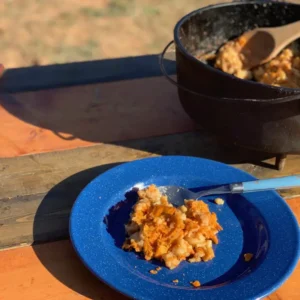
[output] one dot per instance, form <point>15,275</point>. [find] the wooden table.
<point>59,129</point>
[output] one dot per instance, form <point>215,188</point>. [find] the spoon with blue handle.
<point>177,194</point>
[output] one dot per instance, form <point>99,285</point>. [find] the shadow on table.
<point>51,223</point>
<point>102,116</point>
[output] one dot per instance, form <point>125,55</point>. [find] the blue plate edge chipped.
<point>129,292</point>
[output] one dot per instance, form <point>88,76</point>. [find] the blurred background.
<point>42,32</point>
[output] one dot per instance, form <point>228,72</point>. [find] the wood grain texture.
<point>53,271</point>
<point>49,271</point>
<point>71,117</point>
<point>38,191</point>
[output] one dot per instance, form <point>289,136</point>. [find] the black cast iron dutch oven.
<point>246,113</point>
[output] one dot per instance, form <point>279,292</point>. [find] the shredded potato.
<point>161,231</point>
<point>230,60</point>
<point>283,70</point>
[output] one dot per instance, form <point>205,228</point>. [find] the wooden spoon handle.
<point>291,30</point>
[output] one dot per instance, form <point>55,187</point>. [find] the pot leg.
<point>280,161</point>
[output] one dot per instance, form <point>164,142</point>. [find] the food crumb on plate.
<point>154,272</point>
<point>248,256</point>
<point>219,201</point>
<point>195,283</point>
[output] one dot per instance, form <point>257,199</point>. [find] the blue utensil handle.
<point>272,184</point>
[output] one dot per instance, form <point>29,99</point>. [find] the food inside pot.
<point>283,70</point>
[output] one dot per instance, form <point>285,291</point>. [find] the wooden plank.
<point>53,271</point>
<point>37,191</point>
<point>79,73</point>
<point>72,117</point>
<point>49,271</point>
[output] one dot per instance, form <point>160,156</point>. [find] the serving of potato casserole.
<point>171,234</point>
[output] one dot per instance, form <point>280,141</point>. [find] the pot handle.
<point>162,66</point>
<point>168,77</point>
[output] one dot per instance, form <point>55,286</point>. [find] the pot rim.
<point>293,94</point>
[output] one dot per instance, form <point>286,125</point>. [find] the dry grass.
<point>40,32</point>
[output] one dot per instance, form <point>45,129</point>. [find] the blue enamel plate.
<point>258,223</point>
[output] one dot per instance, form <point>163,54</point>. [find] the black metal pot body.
<point>245,113</point>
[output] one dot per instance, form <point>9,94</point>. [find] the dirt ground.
<point>41,32</point>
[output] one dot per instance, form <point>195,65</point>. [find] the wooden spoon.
<point>262,44</point>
